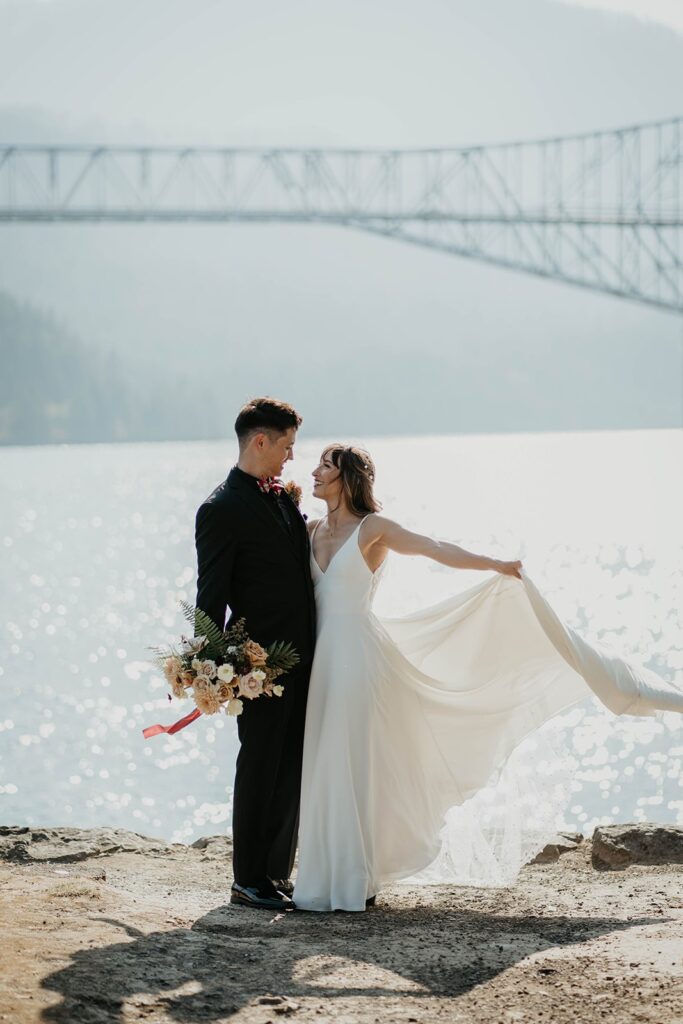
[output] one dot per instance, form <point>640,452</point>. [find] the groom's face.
<point>277,450</point>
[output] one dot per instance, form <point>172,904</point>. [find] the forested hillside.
<point>55,388</point>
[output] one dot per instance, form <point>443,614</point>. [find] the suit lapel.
<point>299,524</point>
<point>305,554</point>
<point>264,509</point>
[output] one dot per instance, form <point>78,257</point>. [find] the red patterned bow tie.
<point>270,483</point>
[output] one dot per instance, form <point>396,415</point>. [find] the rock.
<point>17,853</point>
<point>214,847</point>
<point>21,844</point>
<point>617,846</point>
<point>281,1004</point>
<point>563,843</point>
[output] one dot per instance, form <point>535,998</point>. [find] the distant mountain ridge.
<point>55,389</point>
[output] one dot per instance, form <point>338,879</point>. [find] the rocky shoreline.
<point>105,925</point>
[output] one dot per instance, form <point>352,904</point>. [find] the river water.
<point>96,550</point>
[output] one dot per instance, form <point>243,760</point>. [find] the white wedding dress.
<point>413,726</point>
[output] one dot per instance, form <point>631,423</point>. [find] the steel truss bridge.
<point>601,210</point>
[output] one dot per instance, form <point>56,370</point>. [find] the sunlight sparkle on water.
<point>97,549</point>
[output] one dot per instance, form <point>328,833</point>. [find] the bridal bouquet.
<point>220,668</point>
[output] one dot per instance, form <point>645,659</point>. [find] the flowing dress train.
<point>411,718</point>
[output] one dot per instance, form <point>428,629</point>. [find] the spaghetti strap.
<point>358,528</point>
<point>314,530</point>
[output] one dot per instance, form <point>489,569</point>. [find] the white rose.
<point>278,690</point>
<point>225,673</point>
<point>257,673</point>
<point>208,668</point>
<point>234,706</point>
<point>250,686</point>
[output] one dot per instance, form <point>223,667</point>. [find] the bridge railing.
<point>603,209</point>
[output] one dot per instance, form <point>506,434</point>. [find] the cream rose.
<point>251,685</point>
<point>224,690</point>
<point>208,668</point>
<point>278,690</point>
<point>225,673</point>
<point>234,706</point>
<point>255,653</point>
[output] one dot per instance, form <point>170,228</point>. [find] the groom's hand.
<point>510,569</point>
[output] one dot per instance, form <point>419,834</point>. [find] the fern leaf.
<point>282,656</point>
<point>188,611</point>
<point>205,626</point>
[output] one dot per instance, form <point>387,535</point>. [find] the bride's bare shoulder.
<point>375,524</point>
<point>311,524</point>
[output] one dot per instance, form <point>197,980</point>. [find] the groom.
<point>253,558</point>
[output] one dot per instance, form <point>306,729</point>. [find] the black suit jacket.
<point>250,563</point>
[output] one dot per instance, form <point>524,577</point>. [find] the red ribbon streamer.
<point>154,730</point>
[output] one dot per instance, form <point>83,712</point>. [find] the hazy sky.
<point>666,12</point>
<point>398,72</point>
<point>324,305</point>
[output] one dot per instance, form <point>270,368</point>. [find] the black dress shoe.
<point>285,885</point>
<point>254,896</point>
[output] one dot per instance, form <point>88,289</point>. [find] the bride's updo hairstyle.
<point>357,473</point>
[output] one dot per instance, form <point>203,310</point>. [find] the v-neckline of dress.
<point>324,572</point>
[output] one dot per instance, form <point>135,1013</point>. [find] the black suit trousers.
<point>265,815</point>
<point>253,558</point>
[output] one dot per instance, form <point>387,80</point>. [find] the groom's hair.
<point>265,415</point>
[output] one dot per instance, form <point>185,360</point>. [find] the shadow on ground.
<point>235,956</point>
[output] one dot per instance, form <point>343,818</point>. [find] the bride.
<point>410,718</point>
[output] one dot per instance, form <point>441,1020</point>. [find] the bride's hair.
<point>357,472</point>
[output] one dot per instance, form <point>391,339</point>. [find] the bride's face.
<point>326,479</point>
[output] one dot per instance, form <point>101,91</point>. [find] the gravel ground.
<point>150,935</point>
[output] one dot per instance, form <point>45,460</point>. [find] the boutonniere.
<point>294,492</point>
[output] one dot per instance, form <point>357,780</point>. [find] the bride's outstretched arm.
<point>383,533</point>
